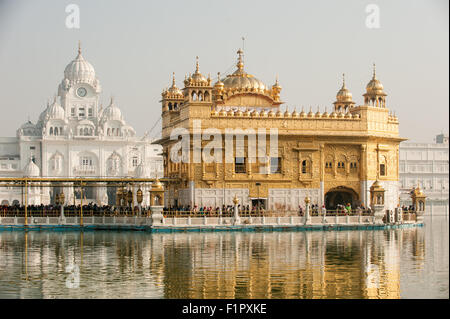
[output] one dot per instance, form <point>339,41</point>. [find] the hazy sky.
<point>135,46</point>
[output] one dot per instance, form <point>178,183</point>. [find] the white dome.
<point>55,111</point>
<point>111,113</point>
<point>80,70</point>
<point>31,169</point>
<point>27,125</point>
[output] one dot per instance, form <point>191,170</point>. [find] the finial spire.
<point>240,63</point>
<point>173,79</point>
<point>343,80</point>
<point>218,76</point>
<point>197,66</point>
<point>374,71</point>
<point>112,100</point>
<point>79,47</point>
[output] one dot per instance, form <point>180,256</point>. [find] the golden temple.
<point>332,158</point>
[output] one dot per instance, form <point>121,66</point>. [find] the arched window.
<point>51,131</point>
<point>170,106</point>
<point>306,167</point>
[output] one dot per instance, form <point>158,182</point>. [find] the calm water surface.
<point>404,263</point>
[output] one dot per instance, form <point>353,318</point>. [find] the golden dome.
<point>325,114</point>
<point>318,114</point>
<point>279,114</point>
<point>343,94</point>
<point>255,113</point>
<point>295,113</point>
<point>173,92</point>
<point>271,113</point>
<point>223,112</point>
<point>310,113</point>
<point>263,113</point>
<point>230,112</point>
<point>238,113</point>
<point>197,79</point>
<point>247,112</point>
<point>375,87</point>
<point>242,80</point>
<point>287,113</point>
<point>302,113</point>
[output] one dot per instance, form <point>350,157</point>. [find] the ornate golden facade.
<point>333,158</point>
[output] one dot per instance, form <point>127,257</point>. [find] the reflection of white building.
<point>76,137</point>
<point>426,165</point>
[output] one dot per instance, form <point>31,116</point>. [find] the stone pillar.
<point>398,215</point>
<point>324,215</point>
<point>157,216</point>
<point>378,214</point>
<point>307,216</point>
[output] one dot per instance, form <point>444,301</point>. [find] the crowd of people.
<point>90,209</point>
<point>224,210</point>
<point>340,209</point>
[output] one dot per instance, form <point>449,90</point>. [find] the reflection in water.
<point>408,263</point>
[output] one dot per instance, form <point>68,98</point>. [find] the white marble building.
<point>76,137</point>
<point>426,165</point>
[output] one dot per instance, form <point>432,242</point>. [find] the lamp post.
<point>307,217</point>
<point>139,198</point>
<point>61,202</point>
<point>258,185</point>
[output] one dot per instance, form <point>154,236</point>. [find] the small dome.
<point>356,116</point>
<point>112,112</point>
<point>31,169</point>
<point>310,113</point>
<point>173,91</point>
<point>223,112</point>
<point>295,113</point>
<point>343,94</point>
<point>230,112</point>
<point>55,111</point>
<point>219,84</point>
<point>279,113</point>
<point>340,115</point>
<point>27,125</point>
<point>325,114</point>
<point>348,116</point>
<point>255,113</point>
<point>318,114</point>
<point>238,113</point>
<point>214,112</point>
<point>302,113</point>
<point>248,113</point>
<point>374,87</point>
<point>287,113</point>
<point>264,113</point>
<point>271,113</point>
<point>333,114</point>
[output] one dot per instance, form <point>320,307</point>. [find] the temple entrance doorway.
<point>340,196</point>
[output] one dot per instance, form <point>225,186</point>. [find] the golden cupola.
<point>172,98</point>
<point>243,89</point>
<point>173,92</point>
<point>197,79</point>
<point>375,95</point>
<point>344,100</point>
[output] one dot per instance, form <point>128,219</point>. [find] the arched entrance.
<point>340,196</point>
